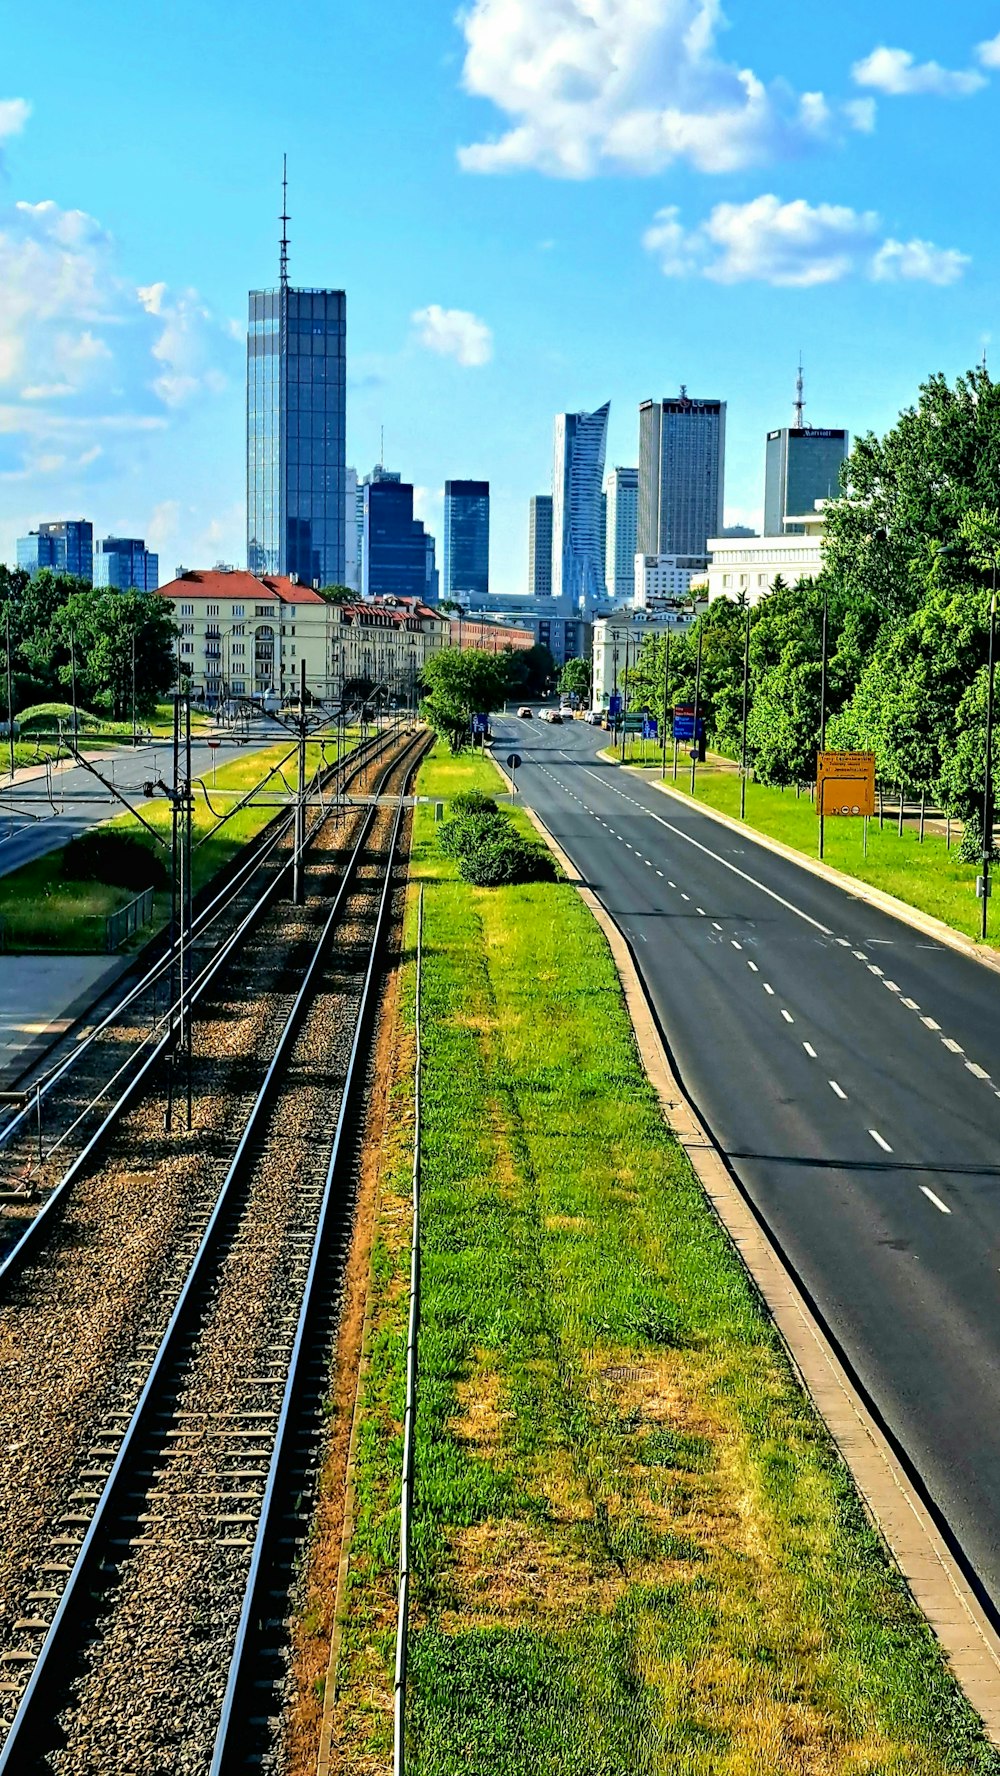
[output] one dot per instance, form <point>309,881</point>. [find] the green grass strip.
<point>636,1548</point>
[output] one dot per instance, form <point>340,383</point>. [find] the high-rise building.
<point>66,546</point>
<point>621,487</point>
<point>682,467</point>
<point>802,466</point>
<point>540,546</point>
<point>433,578</point>
<point>577,477</point>
<point>126,564</point>
<point>296,400</point>
<point>351,528</point>
<point>466,540</point>
<point>395,561</point>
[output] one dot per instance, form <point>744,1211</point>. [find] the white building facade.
<point>621,488</point>
<point>747,567</point>
<point>661,579</point>
<point>617,641</point>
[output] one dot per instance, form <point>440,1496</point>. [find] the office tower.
<point>126,564</point>
<point>351,528</point>
<point>682,463</point>
<point>802,466</point>
<point>66,546</point>
<point>394,556</point>
<point>577,476</point>
<point>622,490</point>
<point>296,399</point>
<point>432,578</point>
<point>602,534</point>
<point>540,545</point>
<point>466,540</point>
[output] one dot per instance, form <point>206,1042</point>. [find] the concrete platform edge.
<point>925,923</point>
<point>936,1582</point>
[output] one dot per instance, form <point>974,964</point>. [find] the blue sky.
<point>534,206</point>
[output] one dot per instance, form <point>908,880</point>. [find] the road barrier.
<point>409,1416</point>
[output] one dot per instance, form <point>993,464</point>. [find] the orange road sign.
<point>845,783</point>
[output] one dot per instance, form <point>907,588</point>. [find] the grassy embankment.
<point>636,1549</point>
<point>42,909</point>
<point>927,876</point>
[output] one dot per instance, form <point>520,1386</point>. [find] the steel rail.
<point>37,1229</point>
<point>234,1715</point>
<point>203,922</point>
<point>34,1710</point>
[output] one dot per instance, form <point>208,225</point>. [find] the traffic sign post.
<point>845,788</point>
<point>214,745</point>
<point>513,766</point>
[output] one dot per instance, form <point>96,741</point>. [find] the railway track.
<point>68,1094</point>
<point>144,1572</point>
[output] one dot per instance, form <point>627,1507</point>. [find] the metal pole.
<point>746,712</point>
<point>822,718</point>
<point>10,697</point>
<point>628,637</point>
<point>134,732</point>
<point>172,977</point>
<point>298,885</point>
<point>188,908</point>
<point>72,670</point>
<point>697,709</point>
<point>666,697</point>
<point>988,788</point>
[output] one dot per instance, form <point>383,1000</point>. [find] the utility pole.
<point>187,910</point>
<point>174,882</point>
<point>822,717</point>
<point>746,711</point>
<point>10,697</point>
<point>134,730</point>
<point>628,637</point>
<point>298,884</point>
<point>666,698</point>
<point>697,710</point>
<point>988,789</point>
<point>72,672</point>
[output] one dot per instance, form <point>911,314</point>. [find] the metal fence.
<point>129,919</point>
<point>409,1416</point>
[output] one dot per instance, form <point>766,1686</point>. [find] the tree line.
<point>910,563</point>
<point>63,631</point>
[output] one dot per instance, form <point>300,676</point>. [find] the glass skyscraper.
<point>802,466</point>
<point>296,445</point>
<point>395,559</point>
<point>466,540</point>
<point>540,545</point>
<point>67,546</point>
<point>622,492</point>
<point>126,564</point>
<point>577,477</point>
<point>682,467</point>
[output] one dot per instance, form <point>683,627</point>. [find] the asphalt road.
<point>39,815</point>
<point>849,1068</point>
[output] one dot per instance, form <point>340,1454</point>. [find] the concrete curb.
<point>925,923</point>
<point>932,1573</point>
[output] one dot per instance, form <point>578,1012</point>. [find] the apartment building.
<point>247,635</point>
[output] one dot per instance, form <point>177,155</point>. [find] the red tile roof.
<point>210,583</point>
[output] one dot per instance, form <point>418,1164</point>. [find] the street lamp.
<point>988,787</point>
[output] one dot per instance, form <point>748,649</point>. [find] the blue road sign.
<point>684,727</point>
<point>480,724</point>
<point>650,728</point>
<point>615,703</point>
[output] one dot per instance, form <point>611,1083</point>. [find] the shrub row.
<point>486,845</point>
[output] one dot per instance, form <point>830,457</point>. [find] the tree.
<point>120,639</point>
<point>529,670</point>
<point>574,679</point>
<point>457,684</point>
<point>912,489</point>
<point>338,594</point>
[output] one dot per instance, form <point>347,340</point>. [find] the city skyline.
<point>806,230</point>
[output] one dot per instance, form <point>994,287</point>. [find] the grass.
<point>927,876</point>
<point>41,909</point>
<point>636,1550</point>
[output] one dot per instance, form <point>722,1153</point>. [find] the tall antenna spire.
<point>284,222</point>
<point>800,398</point>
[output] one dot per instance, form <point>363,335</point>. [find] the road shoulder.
<point>934,1577</point>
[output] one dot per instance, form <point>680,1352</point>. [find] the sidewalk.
<point>41,996</point>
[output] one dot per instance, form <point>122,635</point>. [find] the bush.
<point>490,851</point>
<point>47,716</point>
<point>119,859</point>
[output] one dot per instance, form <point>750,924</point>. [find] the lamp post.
<point>988,787</point>
<point>10,696</point>
<point>822,711</point>
<point>697,709</point>
<point>666,698</point>
<point>746,712</point>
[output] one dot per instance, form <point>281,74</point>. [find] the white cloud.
<point>989,53</point>
<point>632,85</point>
<point>14,114</point>
<point>794,245</point>
<point>454,333</point>
<point>81,350</point>
<point>861,114</point>
<point>896,72</point>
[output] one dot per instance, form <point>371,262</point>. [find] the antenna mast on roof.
<point>800,399</point>
<point>284,222</point>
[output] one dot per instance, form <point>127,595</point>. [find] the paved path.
<point>42,813</point>
<point>849,1068</point>
<point>40,996</point>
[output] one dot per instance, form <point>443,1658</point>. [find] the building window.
<point>238,629</point>
<point>238,610</point>
<point>187,628</point>
<point>187,647</point>
<point>212,610</point>
<point>187,610</point>
<point>262,610</point>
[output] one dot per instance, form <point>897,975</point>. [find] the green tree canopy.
<point>459,683</point>
<point>574,679</point>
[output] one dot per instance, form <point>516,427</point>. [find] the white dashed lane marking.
<point>936,1200</point>
<point>838,1090</point>
<point>880,1140</point>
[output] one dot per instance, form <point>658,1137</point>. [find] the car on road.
<point>555,717</point>
<point>595,717</point>
<point>525,712</point>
